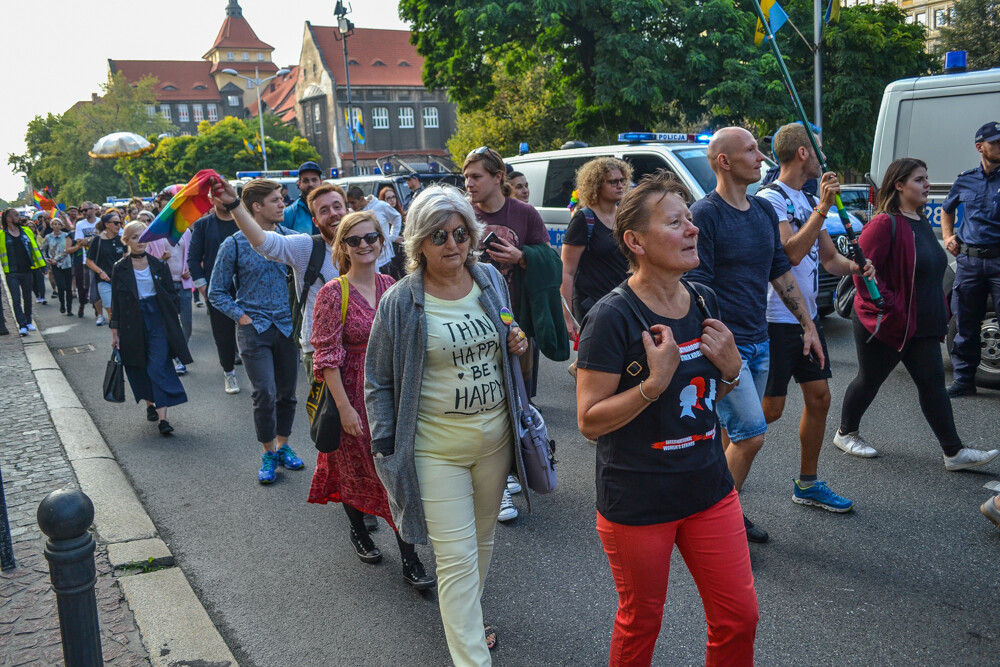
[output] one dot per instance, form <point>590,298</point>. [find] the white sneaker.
<point>231,386</point>
<point>969,458</point>
<point>180,369</point>
<point>507,510</point>
<point>513,485</point>
<point>854,444</point>
<point>100,321</point>
<point>30,327</point>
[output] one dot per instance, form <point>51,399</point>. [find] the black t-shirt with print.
<point>667,463</point>
<point>106,252</point>
<point>602,265</point>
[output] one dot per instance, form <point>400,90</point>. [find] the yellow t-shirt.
<point>463,394</point>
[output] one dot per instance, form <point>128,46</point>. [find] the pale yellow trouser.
<point>461,485</point>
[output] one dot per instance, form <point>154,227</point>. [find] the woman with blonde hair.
<point>442,407</point>
<point>593,265</point>
<point>339,339</point>
<point>146,328</point>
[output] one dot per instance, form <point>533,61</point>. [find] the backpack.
<point>589,215</point>
<point>789,206</point>
<point>297,302</point>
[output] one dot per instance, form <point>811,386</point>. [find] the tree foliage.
<point>975,28</point>
<point>220,147</point>
<point>57,145</point>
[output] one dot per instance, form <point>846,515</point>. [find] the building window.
<point>234,101</point>
<point>405,117</point>
<point>151,109</point>
<point>165,111</point>
<point>196,110</point>
<point>430,117</point>
<point>317,123</point>
<point>380,118</point>
<point>246,56</point>
<point>230,56</point>
<point>921,18</point>
<point>213,113</point>
<point>182,113</point>
<point>942,17</point>
<point>260,57</point>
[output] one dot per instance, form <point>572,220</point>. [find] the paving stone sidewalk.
<point>33,464</point>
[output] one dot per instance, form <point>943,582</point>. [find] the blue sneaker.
<point>269,461</point>
<point>288,458</point>
<point>819,495</point>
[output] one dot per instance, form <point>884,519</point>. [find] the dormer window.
<point>200,86</point>
<point>169,86</point>
<point>352,61</point>
<point>403,63</point>
<point>378,63</point>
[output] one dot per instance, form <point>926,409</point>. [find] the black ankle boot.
<point>367,551</point>
<point>414,574</point>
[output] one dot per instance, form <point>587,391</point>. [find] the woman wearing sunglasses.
<point>347,475</point>
<point>104,252</point>
<point>439,393</point>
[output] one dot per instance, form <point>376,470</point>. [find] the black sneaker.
<point>956,389</point>
<point>165,427</point>
<point>367,551</point>
<point>151,413</point>
<point>754,534</point>
<point>413,573</point>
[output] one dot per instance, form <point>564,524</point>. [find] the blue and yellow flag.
<point>833,11</point>
<point>357,128</point>
<point>776,18</point>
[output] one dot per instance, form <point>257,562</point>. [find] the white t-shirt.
<point>807,272</point>
<point>144,283</point>
<point>84,230</point>
<point>390,221</point>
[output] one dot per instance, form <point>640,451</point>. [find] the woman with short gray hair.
<point>441,407</point>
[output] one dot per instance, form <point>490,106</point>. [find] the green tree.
<point>219,147</point>
<point>974,27</point>
<point>522,109</point>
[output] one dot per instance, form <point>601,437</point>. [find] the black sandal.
<point>492,638</point>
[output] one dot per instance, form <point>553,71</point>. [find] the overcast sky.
<point>56,51</point>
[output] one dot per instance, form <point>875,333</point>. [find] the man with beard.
<point>298,217</point>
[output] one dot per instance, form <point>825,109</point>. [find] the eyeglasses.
<point>615,182</point>
<point>370,238</point>
<point>84,210</point>
<point>440,236</point>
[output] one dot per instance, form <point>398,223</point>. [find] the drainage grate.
<point>76,349</point>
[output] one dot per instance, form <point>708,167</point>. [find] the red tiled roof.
<point>236,33</point>
<point>247,66</point>
<point>367,45</point>
<point>190,79</point>
<point>376,155</point>
<point>279,96</point>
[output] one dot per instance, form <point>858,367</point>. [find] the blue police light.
<point>433,167</point>
<point>635,137</point>
<point>387,167</point>
<point>377,171</point>
<point>334,172</point>
<point>954,61</point>
<point>703,138</point>
<point>522,148</point>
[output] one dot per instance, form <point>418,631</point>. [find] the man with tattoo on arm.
<point>741,252</point>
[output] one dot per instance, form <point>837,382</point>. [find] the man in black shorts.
<point>801,220</point>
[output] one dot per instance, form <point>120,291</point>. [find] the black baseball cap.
<point>413,174</point>
<point>988,132</point>
<point>311,166</point>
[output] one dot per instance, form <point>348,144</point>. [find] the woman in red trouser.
<point>653,364</point>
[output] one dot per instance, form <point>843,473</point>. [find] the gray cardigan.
<point>394,371</point>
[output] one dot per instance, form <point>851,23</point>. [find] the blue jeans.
<point>740,412</point>
<point>20,296</point>
<point>975,280</point>
<point>184,295</point>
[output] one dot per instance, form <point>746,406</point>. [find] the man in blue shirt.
<point>264,318</point>
<point>298,217</point>
<point>977,254</point>
<point>739,244</point>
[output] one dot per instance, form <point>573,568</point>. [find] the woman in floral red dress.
<point>347,475</point>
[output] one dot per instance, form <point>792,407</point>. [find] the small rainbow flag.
<point>182,210</point>
<point>43,203</point>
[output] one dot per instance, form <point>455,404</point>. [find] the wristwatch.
<point>233,206</point>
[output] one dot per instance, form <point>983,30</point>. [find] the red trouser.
<point>713,544</point>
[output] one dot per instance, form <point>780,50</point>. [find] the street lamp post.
<point>346,29</point>
<point>257,82</point>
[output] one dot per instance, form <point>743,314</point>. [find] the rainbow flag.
<point>43,203</point>
<point>189,204</point>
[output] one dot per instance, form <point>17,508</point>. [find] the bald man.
<point>741,253</point>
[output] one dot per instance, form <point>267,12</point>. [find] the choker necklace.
<point>138,255</point>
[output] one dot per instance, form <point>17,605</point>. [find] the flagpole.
<point>817,65</point>
<point>859,256</point>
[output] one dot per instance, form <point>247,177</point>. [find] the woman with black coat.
<point>146,328</point>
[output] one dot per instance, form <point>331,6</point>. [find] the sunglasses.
<point>615,182</point>
<point>370,238</point>
<point>84,210</point>
<point>440,236</point>
<point>480,150</point>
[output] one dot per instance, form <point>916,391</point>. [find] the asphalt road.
<point>910,577</point>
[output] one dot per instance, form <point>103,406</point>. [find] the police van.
<point>551,177</point>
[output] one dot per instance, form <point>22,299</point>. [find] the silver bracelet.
<point>643,394</point>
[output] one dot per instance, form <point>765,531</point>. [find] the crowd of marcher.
<point>691,319</point>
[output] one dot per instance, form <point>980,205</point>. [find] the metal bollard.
<point>64,516</point>
<point>7,561</point>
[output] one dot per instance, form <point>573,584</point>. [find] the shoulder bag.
<point>324,420</point>
<point>114,378</point>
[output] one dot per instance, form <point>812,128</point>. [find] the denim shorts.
<point>104,291</point>
<point>740,412</point>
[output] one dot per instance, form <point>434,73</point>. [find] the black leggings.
<point>224,333</point>
<point>922,359</point>
<point>64,285</point>
<point>357,519</point>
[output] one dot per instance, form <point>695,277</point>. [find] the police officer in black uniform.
<point>977,251</point>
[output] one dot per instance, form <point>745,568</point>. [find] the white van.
<point>934,118</point>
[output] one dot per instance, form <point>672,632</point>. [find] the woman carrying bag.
<point>339,339</point>
<point>146,328</point>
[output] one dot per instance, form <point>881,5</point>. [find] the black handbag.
<point>114,378</point>
<point>324,419</point>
